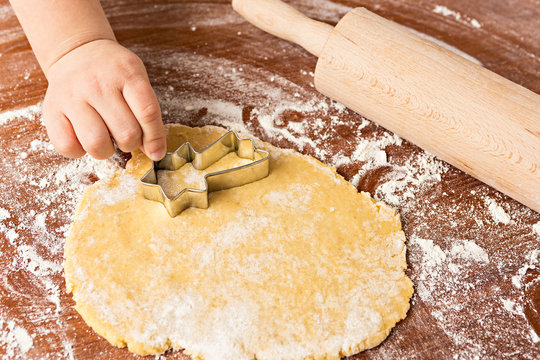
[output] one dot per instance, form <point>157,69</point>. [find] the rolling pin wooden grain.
<point>472,118</point>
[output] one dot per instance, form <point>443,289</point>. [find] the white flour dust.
<point>497,212</point>
<point>536,228</point>
<point>28,112</point>
<point>16,339</point>
<point>444,11</point>
<point>442,282</point>
<point>35,231</point>
<point>531,260</point>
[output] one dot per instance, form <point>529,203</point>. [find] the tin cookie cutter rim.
<point>214,181</point>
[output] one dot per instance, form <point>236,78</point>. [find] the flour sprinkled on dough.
<point>294,266</point>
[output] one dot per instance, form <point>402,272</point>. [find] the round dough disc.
<point>297,265</point>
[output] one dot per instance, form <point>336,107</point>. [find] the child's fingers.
<point>143,103</point>
<point>61,134</point>
<point>122,124</point>
<point>91,131</point>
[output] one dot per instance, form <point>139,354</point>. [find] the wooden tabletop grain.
<point>201,52</point>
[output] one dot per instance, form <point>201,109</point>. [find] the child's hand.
<point>97,91</point>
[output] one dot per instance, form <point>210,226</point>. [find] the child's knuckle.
<point>95,144</point>
<point>150,113</point>
<point>155,141</point>
<point>128,136</point>
<point>66,147</point>
<point>130,66</point>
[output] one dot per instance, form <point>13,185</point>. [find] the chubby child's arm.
<point>98,89</point>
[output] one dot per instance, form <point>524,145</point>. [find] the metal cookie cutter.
<point>219,180</point>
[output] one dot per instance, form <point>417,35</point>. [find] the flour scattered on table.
<point>513,307</point>
<point>14,338</point>
<point>444,11</point>
<point>536,228</point>
<point>497,212</point>
<point>4,214</point>
<point>410,178</point>
<point>433,254</point>
<point>442,280</point>
<point>531,260</point>
<point>468,250</point>
<point>35,228</point>
<point>27,113</point>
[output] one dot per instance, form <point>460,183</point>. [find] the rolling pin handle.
<point>284,21</point>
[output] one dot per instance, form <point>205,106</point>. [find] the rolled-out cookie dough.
<point>297,265</point>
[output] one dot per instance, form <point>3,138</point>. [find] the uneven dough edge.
<point>105,329</point>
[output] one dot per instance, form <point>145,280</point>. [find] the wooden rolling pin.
<point>461,112</point>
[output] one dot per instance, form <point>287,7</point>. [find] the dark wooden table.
<point>471,249</point>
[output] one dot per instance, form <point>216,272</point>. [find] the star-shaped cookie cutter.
<point>214,181</point>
